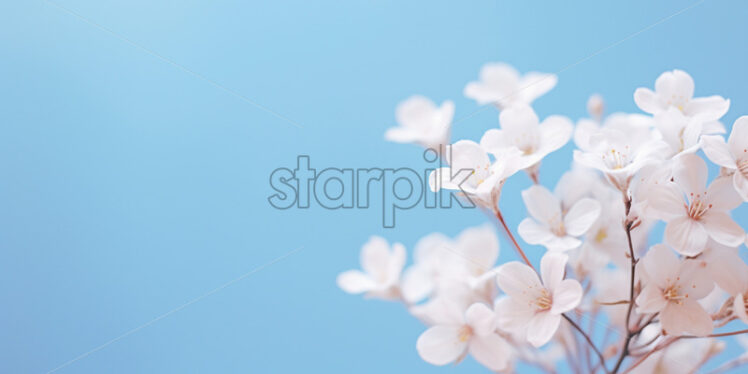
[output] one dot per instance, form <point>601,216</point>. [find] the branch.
<point>589,340</point>
<point>629,333</point>
<point>508,232</point>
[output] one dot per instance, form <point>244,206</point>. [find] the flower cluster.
<point>659,298</point>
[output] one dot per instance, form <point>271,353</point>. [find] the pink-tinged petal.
<point>726,268</point>
<point>417,284</point>
<point>566,296</point>
<point>491,351</point>
<point>708,108</point>
<point>738,141</point>
<point>552,269</point>
<point>740,182</point>
<point>686,236</point>
<point>512,315</point>
<point>542,327</point>
<point>480,246</point>
<point>519,281</point>
<point>661,265</point>
<point>541,204</point>
<point>533,232</point>
<point>355,282</point>
<point>693,280</point>
<point>739,308</point>
<point>646,100</point>
<point>666,201</point>
<point>565,243</point>
<point>723,229</point>
<point>481,319</point>
<point>690,173</point>
<point>590,160</point>
<point>555,131</point>
<point>721,195</point>
<point>396,262</point>
<point>440,345</point>
<point>581,216</point>
<point>650,300</point>
<point>686,317</point>
<point>716,150</point>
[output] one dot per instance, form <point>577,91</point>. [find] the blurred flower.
<point>422,122</point>
<point>501,85</point>
<point>381,270</point>
<point>674,89</point>
<point>472,331</point>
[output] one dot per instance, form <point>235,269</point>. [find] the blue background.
<point>130,186</point>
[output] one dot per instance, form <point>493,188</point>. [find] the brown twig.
<point>629,333</point>
<point>589,340</point>
<point>508,232</point>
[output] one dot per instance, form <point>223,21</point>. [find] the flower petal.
<point>581,216</point>
<point>646,100</point>
<point>533,232</point>
<point>440,345</point>
<point>355,282</point>
<point>555,131</point>
<point>519,281</point>
<point>723,229</point>
<point>566,296</point>
<point>491,351</point>
<point>542,204</point>
<point>661,265</point>
<point>686,317</point>
<point>650,300</point>
<point>707,108</point>
<point>666,201</point>
<point>715,148</point>
<point>552,269</point>
<point>740,182</point>
<point>512,315</point>
<point>738,141</point>
<point>542,327</point>
<point>481,319</point>
<point>686,236</point>
<point>691,174</point>
<point>739,308</point>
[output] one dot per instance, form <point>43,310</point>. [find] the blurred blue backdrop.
<point>130,186</point>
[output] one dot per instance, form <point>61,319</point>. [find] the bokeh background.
<point>130,185</point>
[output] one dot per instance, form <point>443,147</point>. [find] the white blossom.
<point>501,85</point>
<point>422,122</point>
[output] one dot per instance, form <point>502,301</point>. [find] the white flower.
<point>674,89</point>
<point>596,107</point>
<point>469,259</point>
<point>694,213</point>
<point>534,306</point>
<point>619,154</point>
<point>521,129</point>
<point>471,171</point>
<point>673,289</point>
<point>730,273</point>
<point>473,331</point>
<point>501,84</point>
<point>550,226</point>
<point>381,270</point>
<point>421,122</point>
<point>732,155</point>
<point>637,127</point>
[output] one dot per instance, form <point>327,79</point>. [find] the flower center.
<point>465,333</point>
<point>673,294</point>
<point>544,301</point>
<point>697,208</point>
<point>616,159</point>
<point>601,235</point>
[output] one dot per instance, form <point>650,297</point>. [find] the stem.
<point>508,232</point>
<point>629,334</point>
<point>589,340</point>
<point>731,333</point>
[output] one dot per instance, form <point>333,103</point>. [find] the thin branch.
<point>589,340</point>
<point>629,333</point>
<point>731,333</point>
<point>508,232</point>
